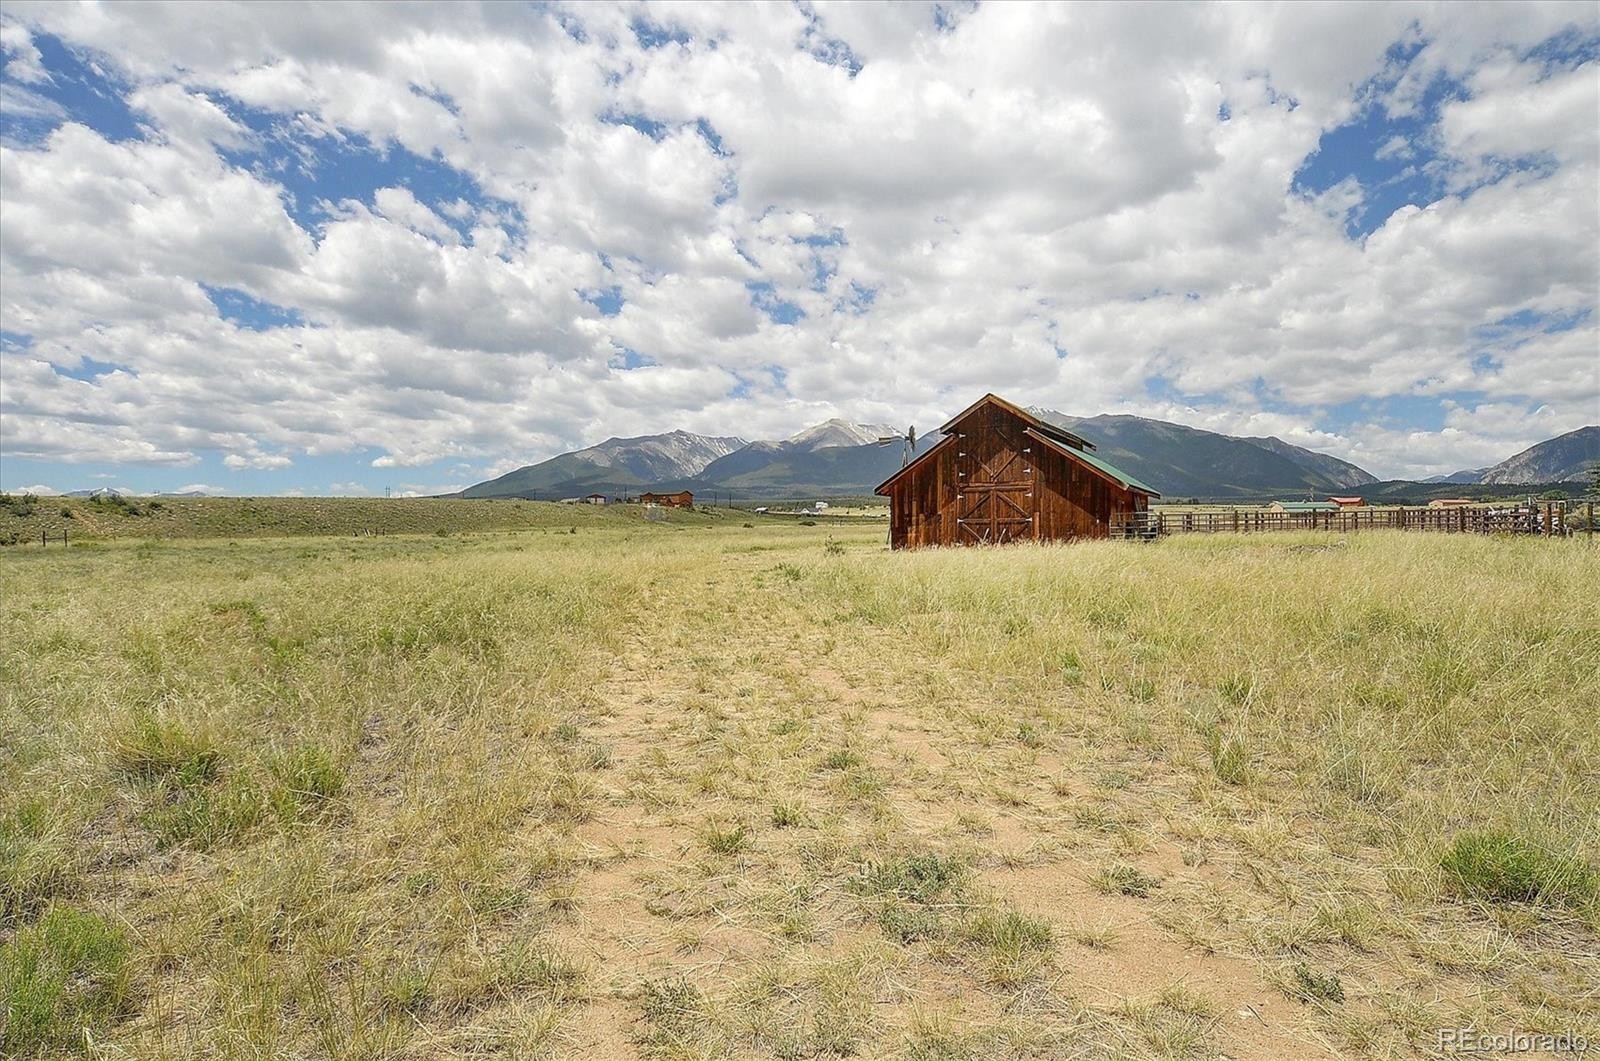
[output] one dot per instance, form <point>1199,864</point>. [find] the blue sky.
<point>409,249</point>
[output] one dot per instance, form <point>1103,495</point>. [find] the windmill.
<point>908,443</point>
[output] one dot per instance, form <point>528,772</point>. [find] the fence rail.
<point>1548,518</point>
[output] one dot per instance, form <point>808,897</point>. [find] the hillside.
<point>1564,458</point>
<point>1340,472</point>
<point>83,519</point>
<point>614,466</point>
<point>1179,460</point>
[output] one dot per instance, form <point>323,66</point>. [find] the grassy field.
<point>22,518</point>
<point>705,790</point>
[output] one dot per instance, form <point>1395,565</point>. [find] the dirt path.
<point>675,700</point>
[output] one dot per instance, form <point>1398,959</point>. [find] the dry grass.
<point>706,790</point>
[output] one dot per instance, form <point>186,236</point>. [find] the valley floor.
<point>703,790</point>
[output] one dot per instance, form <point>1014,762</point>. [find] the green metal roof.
<point>1307,506</point>
<point>1112,470</point>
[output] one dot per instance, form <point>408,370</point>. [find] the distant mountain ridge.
<point>840,458</point>
<point>1189,461</point>
<point>635,463</point>
<point>1560,459</point>
<point>1341,472</point>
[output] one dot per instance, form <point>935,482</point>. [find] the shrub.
<point>19,505</point>
<point>841,759</point>
<point>307,776</point>
<point>151,747</point>
<point>1009,930</point>
<point>921,878</point>
<point>787,816</point>
<point>833,547</point>
<point>1230,758</point>
<point>36,859</point>
<point>1500,866</point>
<point>64,975</point>
<point>728,841</point>
<point>1311,985</point>
<point>1014,944</point>
<point>1123,879</point>
<point>907,923</point>
<point>206,816</point>
<point>675,1011</point>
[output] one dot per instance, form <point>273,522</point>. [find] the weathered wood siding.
<point>1076,502</point>
<point>988,482</point>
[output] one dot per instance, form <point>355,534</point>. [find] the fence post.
<point>1590,521</point>
<point>42,540</point>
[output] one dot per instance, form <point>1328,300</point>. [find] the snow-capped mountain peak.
<point>837,432</point>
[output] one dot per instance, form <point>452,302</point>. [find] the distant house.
<point>1349,502</point>
<point>1302,506</point>
<point>1451,502</point>
<point>572,500</point>
<point>681,499</point>
<point>595,499</point>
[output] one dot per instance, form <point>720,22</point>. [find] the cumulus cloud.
<point>241,461</point>
<point>23,61</point>
<point>484,234</point>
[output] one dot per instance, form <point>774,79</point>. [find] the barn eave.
<point>1105,469</point>
<point>883,487</point>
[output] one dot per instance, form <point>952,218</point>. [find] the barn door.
<point>994,480</point>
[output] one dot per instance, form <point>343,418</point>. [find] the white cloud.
<point>37,490</point>
<point>241,461</point>
<point>23,61</point>
<point>998,192</point>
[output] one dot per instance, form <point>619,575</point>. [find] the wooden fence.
<point>1548,518</point>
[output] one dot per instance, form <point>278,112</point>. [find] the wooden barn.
<point>1002,474</point>
<point>681,499</point>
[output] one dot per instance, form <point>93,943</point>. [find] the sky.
<point>345,249</point>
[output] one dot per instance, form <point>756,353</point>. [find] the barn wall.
<point>1065,498</point>
<point>922,503</point>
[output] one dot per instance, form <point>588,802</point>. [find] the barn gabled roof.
<point>1033,420</point>
<point>1057,437</point>
<point>1098,464</point>
<point>916,461</point>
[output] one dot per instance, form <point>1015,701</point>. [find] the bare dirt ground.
<point>659,908</point>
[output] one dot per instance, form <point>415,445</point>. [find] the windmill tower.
<point>908,449</point>
<point>908,443</point>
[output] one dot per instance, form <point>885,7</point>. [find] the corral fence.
<point>1544,518</point>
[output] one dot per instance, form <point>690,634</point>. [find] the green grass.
<point>1122,879</point>
<point>90,520</point>
<point>1500,866</point>
<point>1312,985</point>
<point>60,977</point>
<point>510,791</point>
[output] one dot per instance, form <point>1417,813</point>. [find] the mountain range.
<point>839,458</point>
